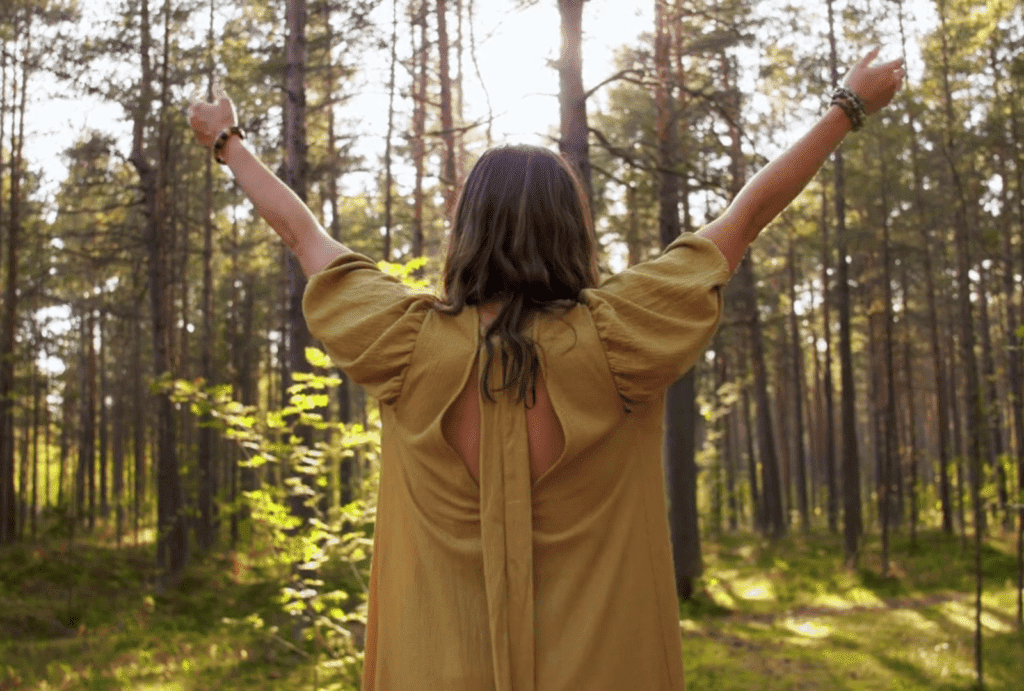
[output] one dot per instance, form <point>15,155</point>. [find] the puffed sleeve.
<point>656,317</point>
<point>367,322</point>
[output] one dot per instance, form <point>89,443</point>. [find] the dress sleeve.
<point>367,322</point>
<point>656,317</point>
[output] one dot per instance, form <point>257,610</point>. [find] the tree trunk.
<point>681,483</point>
<point>419,120</point>
<point>888,481</point>
<point>680,403</point>
<point>117,449</point>
<point>139,422</point>
<point>87,445</point>
<point>972,399</point>
<point>757,508</point>
<point>829,414</point>
<point>941,407</point>
<point>574,143</point>
<point>991,404</point>
<point>853,524</point>
<point>1014,346</point>
<point>296,175</point>
<point>799,458</point>
<point>388,175</point>
<point>206,534</point>
<point>771,482</point>
<point>8,324</point>
<point>911,405</point>
<point>448,180</point>
<point>171,538</point>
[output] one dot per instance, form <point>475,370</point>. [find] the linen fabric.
<point>562,583</point>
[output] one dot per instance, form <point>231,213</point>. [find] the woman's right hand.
<point>876,85</point>
<point>208,120</point>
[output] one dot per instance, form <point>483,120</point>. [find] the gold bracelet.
<point>222,141</point>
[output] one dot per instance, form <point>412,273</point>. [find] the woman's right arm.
<point>778,183</point>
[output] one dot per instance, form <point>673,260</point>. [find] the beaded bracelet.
<point>222,140</point>
<point>852,105</point>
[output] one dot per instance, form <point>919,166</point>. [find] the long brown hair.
<point>522,235</point>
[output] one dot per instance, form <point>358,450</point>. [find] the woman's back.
<point>461,423</point>
<point>546,565</point>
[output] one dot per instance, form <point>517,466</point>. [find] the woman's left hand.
<point>208,120</point>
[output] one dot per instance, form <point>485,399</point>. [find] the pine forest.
<point>188,485</point>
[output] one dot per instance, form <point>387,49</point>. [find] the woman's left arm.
<point>276,202</point>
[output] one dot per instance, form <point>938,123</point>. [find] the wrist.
<point>837,117</point>
<point>229,152</point>
<point>227,136</point>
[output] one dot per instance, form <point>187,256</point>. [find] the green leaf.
<point>318,358</point>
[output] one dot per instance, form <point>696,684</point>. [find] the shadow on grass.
<point>89,617</point>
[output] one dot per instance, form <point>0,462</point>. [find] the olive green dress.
<point>561,584</point>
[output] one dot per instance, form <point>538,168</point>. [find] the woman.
<point>521,539</point>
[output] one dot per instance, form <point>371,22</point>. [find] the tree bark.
<point>888,481</point>
<point>388,175</point>
<point>419,119</point>
<point>853,524</point>
<point>828,396</point>
<point>171,538</point>
<point>941,406</point>
<point>574,143</point>
<point>680,403</point>
<point>799,457</point>
<point>206,534</point>
<point>8,324</point>
<point>448,179</point>
<point>973,399</point>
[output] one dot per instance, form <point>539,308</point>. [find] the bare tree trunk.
<point>206,534</point>
<point>798,409</point>
<point>8,324</point>
<point>991,402</point>
<point>388,175</point>
<point>1014,346</point>
<point>852,517</point>
<point>941,406</point>
<point>574,143</point>
<point>890,456</point>
<point>171,537</point>
<point>343,392</point>
<point>831,474</point>
<point>296,174</point>
<point>448,180</point>
<point>680,400</point>
<point>973,398</point>
<point>911,406</point>
<point>104,418</point>
<point>419,118</point>
<point>87,449</point>
<point>139,422</point>
<point>37,386</point>
<point>117,449</point>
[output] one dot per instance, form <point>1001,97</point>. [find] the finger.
<point>867,59</point>
<point>892,65</point>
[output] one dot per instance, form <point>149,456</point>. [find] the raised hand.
<point>210,119</point>
<point>876,85</point>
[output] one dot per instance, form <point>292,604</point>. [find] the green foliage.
<point>307,538</point>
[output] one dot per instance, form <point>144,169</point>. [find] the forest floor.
<point>769,616</point>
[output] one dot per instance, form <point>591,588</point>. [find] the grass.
<point>792,616</point>
<point>780,616</point>
<point>91,618</point>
